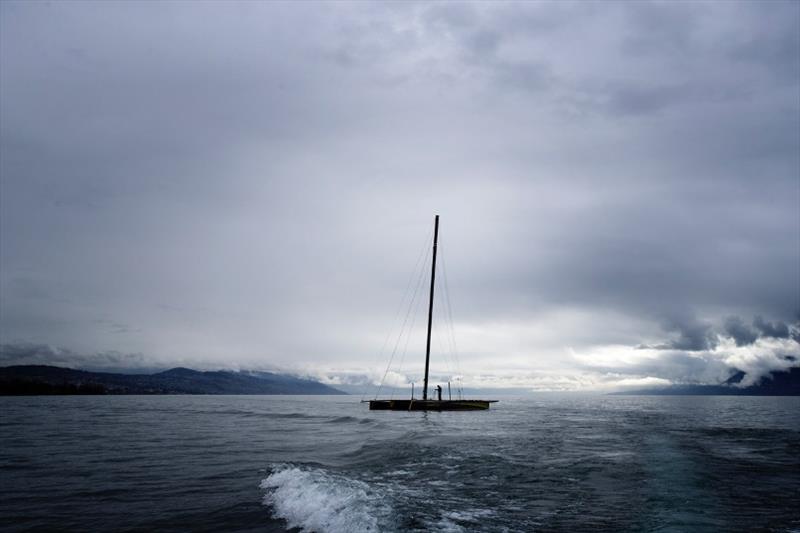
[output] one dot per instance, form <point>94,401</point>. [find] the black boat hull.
<point>429,405</point>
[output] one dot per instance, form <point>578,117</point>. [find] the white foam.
<point>452,521</point>
<point>445,525</point>
<point>315,500</point>
<point>468,515</point>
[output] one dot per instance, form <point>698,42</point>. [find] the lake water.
<point>273,463</point>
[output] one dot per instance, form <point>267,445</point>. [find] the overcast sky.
<point>249,185</point>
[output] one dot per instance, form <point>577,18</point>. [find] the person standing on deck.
<point>439,391</point>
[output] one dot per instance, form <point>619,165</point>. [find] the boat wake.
<point>313,499</point>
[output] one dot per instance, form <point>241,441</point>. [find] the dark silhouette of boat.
<point>429,405</point>
<point>425,404</point>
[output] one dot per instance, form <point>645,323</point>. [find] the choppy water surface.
<point>265,463</point>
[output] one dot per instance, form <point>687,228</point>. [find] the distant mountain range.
<point>776,384</point>
<point>41,379</point>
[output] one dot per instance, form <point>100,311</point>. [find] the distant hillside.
<point>40,379</point>
<point>777,384</point>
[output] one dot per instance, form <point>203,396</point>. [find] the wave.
<point>312,499</point>
<point>457,521</point>
<point>344,419</point>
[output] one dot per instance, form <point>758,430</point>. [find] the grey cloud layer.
<point>252,181</point>
<point>745,335</point>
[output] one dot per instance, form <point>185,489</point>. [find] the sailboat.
<point>425,404</point>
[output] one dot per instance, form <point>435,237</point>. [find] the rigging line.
<point>445,350</point>
<point>449,307</point>
<point>397,315</point>
<point>413,321</point>
<point>403,328</point>
<point>413,315</point>
<point>445,309</point>
<point>450,312</point>
<point>439,332</point>
<point>450,316</point>
<point>451,331</point>
<point>405,321</point>
<point>445,358</point>
<point>441,338</point>
<point>408,337</point>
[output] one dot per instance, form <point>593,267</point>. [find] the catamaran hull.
<point>429,405</point>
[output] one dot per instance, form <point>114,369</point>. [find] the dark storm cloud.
<point>43,354</point>
<point>777,329</point>
<point>739,331</point>
<point>692,335</point>
<point>253,181</point>
<point>745,335</point>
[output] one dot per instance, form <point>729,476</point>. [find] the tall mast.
<point>430,308</point>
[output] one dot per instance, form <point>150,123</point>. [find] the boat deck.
<point>429,405</point>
